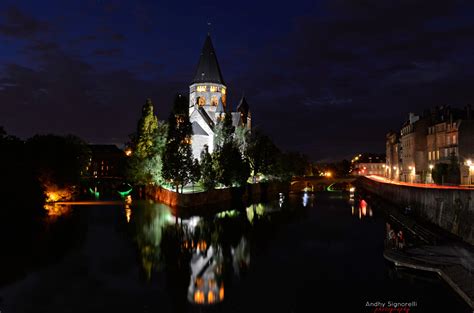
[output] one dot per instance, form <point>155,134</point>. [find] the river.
<point>297,253</point>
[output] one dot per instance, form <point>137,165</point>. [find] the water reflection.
<point>56,210</point>
<point>199,255</point>
<point>364,210</point>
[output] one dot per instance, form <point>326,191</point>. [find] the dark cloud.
<point>111,52</point>
<point>16,23</point>
<point>356,70</point>
<point>65,94</point>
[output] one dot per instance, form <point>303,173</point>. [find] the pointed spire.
<point>208,70</point>
<point>243,106</point>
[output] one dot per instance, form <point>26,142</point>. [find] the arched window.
<point>201,101</point>
<point>214,101</point>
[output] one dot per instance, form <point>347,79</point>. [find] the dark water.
<point>304,253</point>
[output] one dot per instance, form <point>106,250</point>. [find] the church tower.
<point>207,99</point>
<point>207,88</point>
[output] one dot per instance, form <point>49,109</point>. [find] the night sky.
<point>327,78</point>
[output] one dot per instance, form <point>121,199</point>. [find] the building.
<point>392,164</point>
<point>208,101</point>
<point>414,166</point>
<point>369,164</point>
<point>107,161</point>
<point>441,135</point>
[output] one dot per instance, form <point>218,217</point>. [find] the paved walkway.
<point>453,264</point>
<point>452,259</point>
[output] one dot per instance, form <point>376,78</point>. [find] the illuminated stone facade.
<point>208,101</point>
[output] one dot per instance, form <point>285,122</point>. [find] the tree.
<point>232,168</point>
<point>261,153</point>
<point>439,173</point>
<point>195,172</point>
<point>224,132</point>
<point>454,171</point>
<point>177,158</point>
<point>148,144</point>
<point>147,126</point>
<point>242,137</point>
<point>208,171</point>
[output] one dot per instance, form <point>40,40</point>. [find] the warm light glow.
<point>201,101</point>
<point>201,245</point>
<point>128,213</point>
<point>221,292</point>
<point>55,210</point>
<point>201,88</point>
<point>128,152</point>
<point>213,89</point>
<point>199,296</point>
<point>328,174</point>
<point>53,195</point>
<point>469,162</point>
<point>223,91</point>
<point>210,297</point>
<point>431,166</point>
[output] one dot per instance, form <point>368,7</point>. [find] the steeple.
<point>243,106</point>
<point>244,110</point>
<point>208,70</point>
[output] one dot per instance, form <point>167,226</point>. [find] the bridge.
<point>318,183</point>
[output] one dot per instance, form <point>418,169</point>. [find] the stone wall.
<point>252,192</point>
<point>451,209</point>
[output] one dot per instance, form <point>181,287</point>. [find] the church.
<point>208,101</point>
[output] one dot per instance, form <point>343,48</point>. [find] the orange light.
<point>210,297</point>
<point>199,296</point>
<point>128,152</point>
<point>221,292</point>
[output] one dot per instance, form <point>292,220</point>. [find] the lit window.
<point>201,101</point>
<point>213,88</point>
<point>454,139</point>
<point>223,91</point>
<point>201,88</point>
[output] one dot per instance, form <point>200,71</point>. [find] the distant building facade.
<point>392,164</point>
<point>369,164</point>
<point>208,101</point>
<point>440,135</point>
<point>107,161</point>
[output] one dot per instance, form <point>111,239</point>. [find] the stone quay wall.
<point>249,193</point>
<point>451,209</point>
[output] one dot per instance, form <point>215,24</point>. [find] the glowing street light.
<point>431,166</point>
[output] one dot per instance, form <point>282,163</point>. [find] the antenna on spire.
<point>209,28</point>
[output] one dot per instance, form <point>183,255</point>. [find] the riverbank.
<point>449,208</point>
<point>249,193</point>
<point>436,250</point>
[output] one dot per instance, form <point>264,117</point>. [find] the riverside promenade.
<point>435,250</point>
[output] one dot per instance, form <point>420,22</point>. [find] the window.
<point>213,88</point>
<point>429,156</point>
<point>437,155</point>
<point>201,88</point>
<point>214,101</point>
<point>201,101</point>
<point>449,140</point>
<point>454,139</point>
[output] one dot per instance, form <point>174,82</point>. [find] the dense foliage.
<point>178,157</point>
<point>148,144</point>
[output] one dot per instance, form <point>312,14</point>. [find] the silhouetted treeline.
<point>26,166</point>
